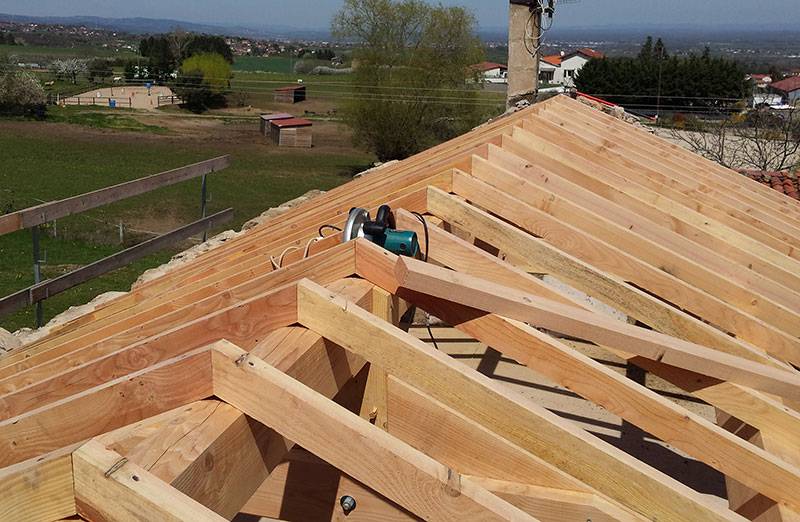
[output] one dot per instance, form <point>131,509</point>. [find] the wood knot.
<point>453,486</point>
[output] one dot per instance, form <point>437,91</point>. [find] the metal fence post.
<point>37,273</point>
<point>203,202</point>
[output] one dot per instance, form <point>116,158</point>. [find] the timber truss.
<point>229,387</point>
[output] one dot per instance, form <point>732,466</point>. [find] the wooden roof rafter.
<point>557,189</point>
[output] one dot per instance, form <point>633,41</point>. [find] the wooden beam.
<point>522,422</point>
<point>57,209</point>
<point>741,292</point>
<point>415,481</point>
<point>38,490</point>
<point>642,407</point>
<point>471,449</point>
<point>108,487</point>
<point>217,455</point>
<point>554,505</point>
<point>125,400</point>
<point>304,488</point>
<point>592,266</point>
<point>759,410</point>
<point>653,217</point>
<point>374,405</point>
<point>482,295</point>
<point>166,312</point>
<point>246,322</point>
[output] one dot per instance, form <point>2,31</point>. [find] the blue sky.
<point>490,13</point>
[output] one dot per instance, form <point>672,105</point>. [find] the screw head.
<point>348,504</point>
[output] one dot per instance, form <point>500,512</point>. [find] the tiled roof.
<point>787,85</point>
<point>488,66</point>
<point>785,182</point>
<point>554,59</point>
<point>590,53</point>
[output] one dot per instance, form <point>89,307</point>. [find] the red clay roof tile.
<point>785,182</point>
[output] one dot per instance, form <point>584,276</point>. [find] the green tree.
<point>413,78</point>
<point>204,44</point>
<point>99,70</point>
<point>203,80</point>
<point>646,53</point>
<point>165,52</point>
<point>655,79</point>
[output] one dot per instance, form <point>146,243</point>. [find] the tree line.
<point>166,53</point>
<point>655,78</point>
<point>7,39</point>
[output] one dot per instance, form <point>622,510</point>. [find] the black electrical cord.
<point>323,227</point>
<point>425,258</point>
<point>425,228</point>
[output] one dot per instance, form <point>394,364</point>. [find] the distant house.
<point>290,94</point>
<point>268,118</point>
<point>550,69</point>
<point>788,88</point>
<point>292,132</point>
<point>492,72</point>
<point>562,69</point>
<point>760,81</point>
<point>772,100</point>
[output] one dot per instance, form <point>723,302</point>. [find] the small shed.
<point>292,132</point>
<point>268,118</point>
<point>290,94</point>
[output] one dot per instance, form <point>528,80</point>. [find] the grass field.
<point>44,161</point>
<point>28,51</point>
<point>329,93</point>
<point>271,64</point>
<point>101,118</point>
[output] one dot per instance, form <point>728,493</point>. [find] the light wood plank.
<point>38,490</point>
<point>610,471</point>
<point>110,488</point>
<point>346,441</point>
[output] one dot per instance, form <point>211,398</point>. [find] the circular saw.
<point>380,231</point>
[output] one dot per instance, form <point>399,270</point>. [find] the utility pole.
<point>524,39</point>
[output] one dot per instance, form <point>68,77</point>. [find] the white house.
<point>492,72</point>
<point>562,69</point>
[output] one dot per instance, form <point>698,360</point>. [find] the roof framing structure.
<point>229,387</point>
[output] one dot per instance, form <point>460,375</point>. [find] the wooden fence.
<point>97,101</point>
<point>35,216</point>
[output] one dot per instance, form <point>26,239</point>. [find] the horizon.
<point>585,15</point>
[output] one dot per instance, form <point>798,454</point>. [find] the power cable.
<point>421,218</point>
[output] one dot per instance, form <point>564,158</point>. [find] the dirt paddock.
<point>125,96</point>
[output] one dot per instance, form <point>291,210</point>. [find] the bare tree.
<point>762,139</point>
<point>772,139</point>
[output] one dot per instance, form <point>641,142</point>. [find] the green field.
<point>272,64</point>
<point>28,51</point>
<point>332,92</point>
<point>102,118</point>
<point>40,164</point>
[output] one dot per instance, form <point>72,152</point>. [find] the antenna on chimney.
<point>525,36</point>
<point>524,42</point>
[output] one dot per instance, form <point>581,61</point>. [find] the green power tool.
<point>381,231</point>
